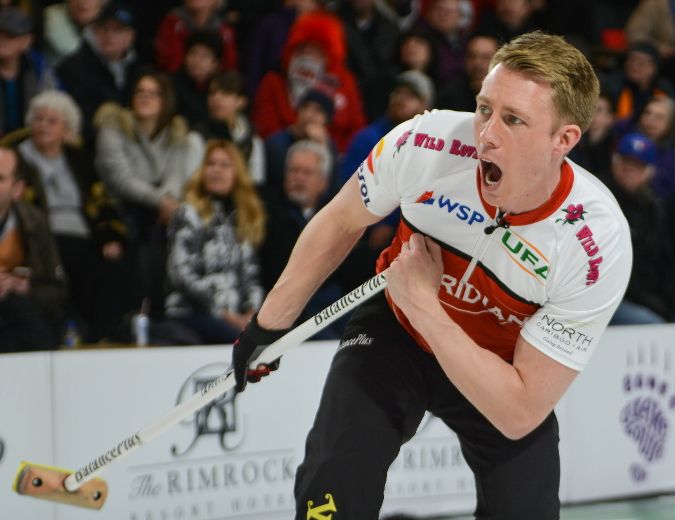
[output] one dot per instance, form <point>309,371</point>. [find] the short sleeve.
<point>589,286</point>
<point>377,174</point>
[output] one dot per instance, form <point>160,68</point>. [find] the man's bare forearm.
<point>321,248</point>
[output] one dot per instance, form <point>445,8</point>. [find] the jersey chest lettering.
<point>469,298</point>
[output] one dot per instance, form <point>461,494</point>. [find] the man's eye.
<point>513,120</point>
<point>482,109</point>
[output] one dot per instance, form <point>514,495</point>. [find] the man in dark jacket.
<point>105,65</point>
<point>306,180</point>
<point>32,286</point>
<point>649,297</point>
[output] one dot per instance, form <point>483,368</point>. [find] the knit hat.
<point>419,83</point>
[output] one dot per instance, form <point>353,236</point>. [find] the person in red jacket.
<point>180,22</point>
<point>313,58</point>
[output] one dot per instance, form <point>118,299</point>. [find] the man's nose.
<point>489,134</point>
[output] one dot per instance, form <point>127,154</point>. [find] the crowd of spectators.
<point>170,152</point>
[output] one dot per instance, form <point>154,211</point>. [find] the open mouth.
<point>492,174</point>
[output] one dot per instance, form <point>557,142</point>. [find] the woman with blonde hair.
<point>212,265</point>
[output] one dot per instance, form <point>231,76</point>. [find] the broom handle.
<point>225,382</point>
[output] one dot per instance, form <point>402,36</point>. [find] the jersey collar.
<point>549,207</point>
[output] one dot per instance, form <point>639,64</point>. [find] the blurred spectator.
<point>32,287</point>
<point>459,93</point>
<point>315,113</point>
<point>657,122</point>
<point>313,58</point>
<point>145,154</point>
<point>638,81</point>
<point>212,267</point>
<point>306,179</point>
<point>595,148</point>
<point>508,19</point>
<point>412,94</point>
<point>649,297</point>
<point>191,82</point>
<point>467,9</point>
<point>61,181</point>
<point>442,23</point>
<point>653,21</point>
<point>23,71</point>
<point>64,24</point>
<point>181,21</point>
<point>402,12</point>
<point>226,119</point>
<point>104,66</point>
<point>371,52</point>
<point>416,51</point>
<point>268,39</point>
<point>32,8</point>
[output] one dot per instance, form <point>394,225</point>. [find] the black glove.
<point>252,341</point>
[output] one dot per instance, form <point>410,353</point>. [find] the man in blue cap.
<point>648,298</point>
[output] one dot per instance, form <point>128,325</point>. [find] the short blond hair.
<point>551,59</point>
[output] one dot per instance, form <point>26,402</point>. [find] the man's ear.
<point>242,102</point>
<point>567,137</point>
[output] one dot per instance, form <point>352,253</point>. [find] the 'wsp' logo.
<point>456,208</point>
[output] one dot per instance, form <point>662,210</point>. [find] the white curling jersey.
<point>556,275</point>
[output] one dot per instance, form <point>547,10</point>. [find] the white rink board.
<point>244,461</point>
<point>238,458</point>
<point>619,434</point>
<point>25,429</point>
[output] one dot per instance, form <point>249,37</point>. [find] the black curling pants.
<point>378,388</point>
